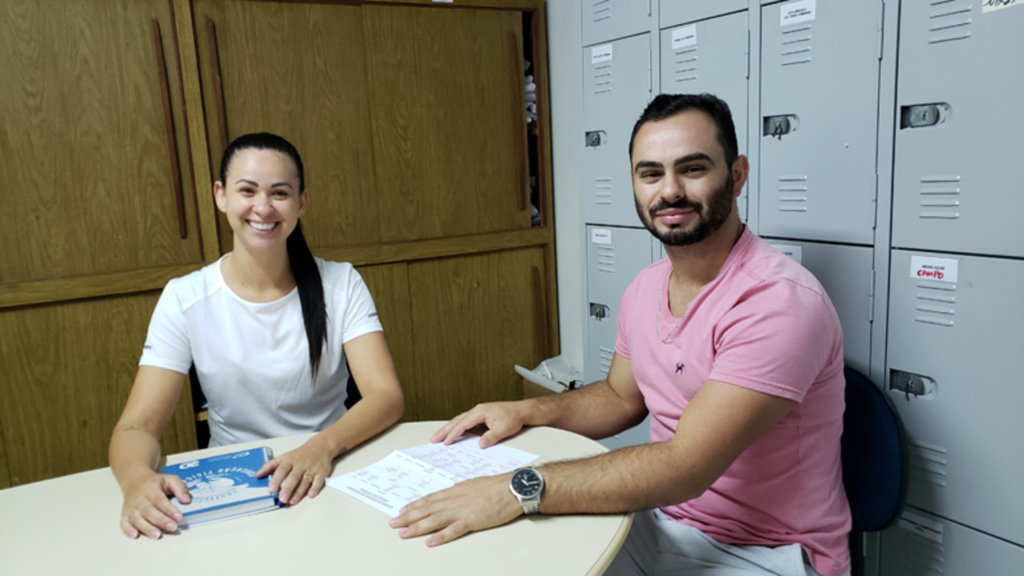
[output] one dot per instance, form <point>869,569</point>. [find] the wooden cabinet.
<point>68,368</point>
<point>411,120</point>
<point>86,146</point>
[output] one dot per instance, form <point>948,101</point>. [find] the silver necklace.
<point>664,296</point>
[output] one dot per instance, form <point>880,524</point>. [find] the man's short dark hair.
<point>668,105</point>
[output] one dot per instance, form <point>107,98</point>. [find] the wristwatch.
<point>526,485</point>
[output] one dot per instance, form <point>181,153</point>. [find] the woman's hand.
<point>147,509</point>
<point>301,472</point>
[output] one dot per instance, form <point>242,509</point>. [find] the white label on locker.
<point>601,236</point>
<point>796,12</point>
<point>793,251</point>
<point>601,54</point>
<point>926,268</point>
<point>921,526</point>
<point>685,36</point>
<point>990,5</point>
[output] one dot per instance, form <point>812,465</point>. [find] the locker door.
<point>956,325</point>
<point>614,257</point>
<point>616,89</point>
<point>605,20</point>
<point>675,12</point>
<point>711,56</point>
<point>960,144</point>
<point>819,107</point>
<point>845,273</point>
<point>928,545</point>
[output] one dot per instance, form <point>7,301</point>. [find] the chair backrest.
<point>874,456</point>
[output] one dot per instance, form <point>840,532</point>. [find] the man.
<point>734,350</point>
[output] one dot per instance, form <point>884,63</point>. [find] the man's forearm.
<point>595,411</point>
<point>626,480</point>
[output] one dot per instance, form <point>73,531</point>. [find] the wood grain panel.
<point>68,369</point>
<point>474,318</point>
<point>447,123</point>
<point>64,289</point>
<point>297,70</point>
<point>389,286</point>
<point>84,144</point>
<point>5,477</point>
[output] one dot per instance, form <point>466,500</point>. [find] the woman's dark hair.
<point>304,268</point>
<point>668,105</point>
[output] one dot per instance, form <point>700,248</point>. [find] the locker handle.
<point>599,311</point>
<point>923,115</point>
<point>780,125</point>
<point>909,383</point>
<point>595,138</point>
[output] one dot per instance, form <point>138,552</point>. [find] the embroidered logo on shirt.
<point>679,368</point>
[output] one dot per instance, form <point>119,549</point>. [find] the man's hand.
<point>469,506</point>
<point>299,473</point>
<point>147,511</point>
<point>502,419</point>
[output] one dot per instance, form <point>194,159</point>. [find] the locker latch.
<point>596,138</point>
<point>599,311</point>
<point>909,383</point>
<point>777,126</point>
<point>922,115</point>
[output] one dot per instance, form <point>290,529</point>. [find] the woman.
<point>269,328</point>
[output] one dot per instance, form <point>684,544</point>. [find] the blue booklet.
<point>224,486</point>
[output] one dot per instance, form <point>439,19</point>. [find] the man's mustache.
<point>683,204</point>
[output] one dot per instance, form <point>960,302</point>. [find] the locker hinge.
<point>871,298</point>
<point>650,82</point>
<point>881,30</point>
<point>748,54</point>
<point>874,201</point>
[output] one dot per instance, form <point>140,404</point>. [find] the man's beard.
<point>710,217</point>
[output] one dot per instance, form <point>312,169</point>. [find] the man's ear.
<point>220,196</point>
<point>740,173</point>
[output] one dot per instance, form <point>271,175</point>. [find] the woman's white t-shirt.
<point>252,359</point>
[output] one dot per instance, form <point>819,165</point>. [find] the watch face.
<point>527,483</point>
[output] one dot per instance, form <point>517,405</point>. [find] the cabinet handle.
<point>172,145</point>
<point>218,88</point>
<point>519,122</point>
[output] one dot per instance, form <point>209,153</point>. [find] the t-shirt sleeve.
<point>778,340</point>
<point>625,309</point>
<point>167,343</point>
<point>358,314</point>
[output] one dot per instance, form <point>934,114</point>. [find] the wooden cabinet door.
<point>449,122</point>
<point>68,369</point>
<point>298,70</point>
<point>473,319</point>
<point>389,286</point>
<point>85,143</point>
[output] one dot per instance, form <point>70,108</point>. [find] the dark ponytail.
<point>304,268</point>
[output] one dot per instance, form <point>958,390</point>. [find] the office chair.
<point>874,456</point>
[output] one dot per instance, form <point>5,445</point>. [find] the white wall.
<point>566,92</point>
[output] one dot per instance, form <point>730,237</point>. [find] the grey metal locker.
<point>819,108</point>
<point>616,89</point>
<point>956,328</point>
<point>711,56</point>
<point>847,276</point>
<point>926,545</point>
<point>606,20</point>
<point>675,12</point>
<point>614,257</point>
<point>959,144</point>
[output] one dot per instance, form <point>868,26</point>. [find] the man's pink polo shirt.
<point>765,323</point>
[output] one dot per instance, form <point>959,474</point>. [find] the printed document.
<point>410,474</point>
